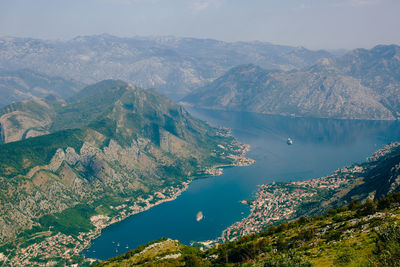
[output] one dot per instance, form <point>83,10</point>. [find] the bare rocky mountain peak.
<point>172,65</point>
<point>363,84</point>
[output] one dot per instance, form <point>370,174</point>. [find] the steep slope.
<point>360,227</point>
<point>355,235</point>
<point>172,65</point>
<point>351,87</point>
<point>280,202</point>
<point>102,159</point>
<point>26,119</point>
<point>25,84</point>
<point>380,177</point>
<point>378,68</point>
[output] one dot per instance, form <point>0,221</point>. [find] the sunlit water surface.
<point>320,146</point>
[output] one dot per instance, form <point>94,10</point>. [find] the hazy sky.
<point>311,23</point>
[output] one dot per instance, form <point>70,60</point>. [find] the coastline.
<point>100,226</point>
<point>279,202</point>
<point>214,171</point>
<point>59,245</point>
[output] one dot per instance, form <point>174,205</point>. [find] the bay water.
<point>320,146</point>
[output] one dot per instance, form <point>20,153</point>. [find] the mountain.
<point>380,177</point>
<point>94,161</point>
<point>282,202</point>
<point>172,65</point>
<point>363,84</point>
<point>359,227</point>
<point>378,69</point>
<point>355,235</point>
<point>26,84</point>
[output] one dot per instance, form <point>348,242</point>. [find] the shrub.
<point>306,235</point>
<point>387,245</point>
<point>286,260</point>
<point>331,212</point>
<point>368,208</point>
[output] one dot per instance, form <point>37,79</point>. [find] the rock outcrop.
<point>364,84</point>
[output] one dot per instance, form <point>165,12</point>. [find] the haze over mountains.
<point>111,144</point>
<point>253,76</point>
<point>174,66</point>
<point>26,84</point>
<point>68,155</point>
<point>362,84</point>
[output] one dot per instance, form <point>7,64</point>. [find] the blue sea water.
<point>319,147</point>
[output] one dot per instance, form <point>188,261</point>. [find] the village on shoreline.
<point>58,245</point>
<point>278,202</point>
<point>273,203</point>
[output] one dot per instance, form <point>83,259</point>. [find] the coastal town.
<point>272,204</point>
<point>383,151</point>
<point>278,202</point>
<point>52,247</point>
<point>57,246</point>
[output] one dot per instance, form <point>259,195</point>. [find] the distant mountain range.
<point>362,84</point>
<point>174,66</point>
<point>63,162</point>
<point>25,84</point>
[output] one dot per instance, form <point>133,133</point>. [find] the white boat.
<point>289,141</point>
<point>199,216</point>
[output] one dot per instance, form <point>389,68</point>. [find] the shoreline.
<point>56,245</point>
<point>214,171</point>
<point>84,239</point>
<point>279,202</point>
<point>98,231</point>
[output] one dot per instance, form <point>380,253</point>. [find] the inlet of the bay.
<point>319,147</point>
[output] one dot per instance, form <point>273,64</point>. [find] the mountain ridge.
<point>172,65</point>
<point>326,89</point>
<point>25,84</point>
<point>127,147</point>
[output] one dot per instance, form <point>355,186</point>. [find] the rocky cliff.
<point>363,84</point>
<point>93,154</point>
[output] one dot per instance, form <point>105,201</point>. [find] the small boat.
<point>289,141</point>
<point>199,216</point>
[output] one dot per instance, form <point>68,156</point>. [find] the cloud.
<point>128,2</point>
<point>358,3</point>
<point>197,5</point>
<point>200,5</point>
<point>363,2</point>
<point>304,6</point>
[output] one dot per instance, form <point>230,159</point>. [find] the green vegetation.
<point>342,237</point>
<point>19,157</point>
<point>120,149</point>
<point>71,221</point>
